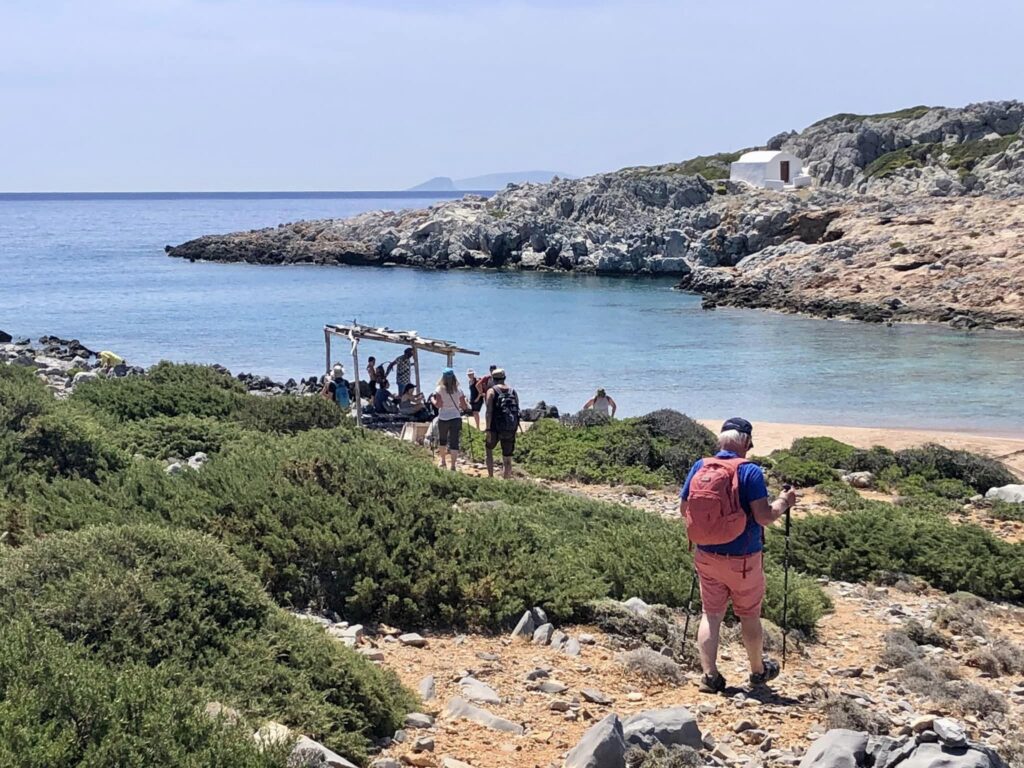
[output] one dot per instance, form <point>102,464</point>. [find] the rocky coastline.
<point>914,216</point>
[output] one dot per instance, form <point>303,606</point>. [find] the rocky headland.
<point>914,215</point>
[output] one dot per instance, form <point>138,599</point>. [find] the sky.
<point>203,95</point>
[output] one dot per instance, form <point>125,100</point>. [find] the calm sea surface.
<point>93,268</point>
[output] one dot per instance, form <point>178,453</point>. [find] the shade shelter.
<point>356,333</point>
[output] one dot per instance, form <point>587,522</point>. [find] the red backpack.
<point>714,514</point>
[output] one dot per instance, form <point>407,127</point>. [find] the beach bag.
<point>714,514</point>
<point>341,394</point>
<point>506,411</point>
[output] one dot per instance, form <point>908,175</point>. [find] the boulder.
<point>474,690</point>
<point>540,617</point>
<point>542,635</point>
<point>594,696</point>
<point>5,337</point>
<point>637,606</point>
<point>525,626</point>
<point>938,755</point>
<point>675,725</point>
<point>950,732</point>
<point>84,376</point>
<point>418,720</point>
<point>1014,494</point>
<point>859,479</point>
<point>571,647</point>
<point>838,748</point>
<point>309,752</point>
<point>272,734</point>
<point>427,688</point>
<point>460,708</point>
<point>602,746</point>
<point>196,460</point>
<point>412,639</point>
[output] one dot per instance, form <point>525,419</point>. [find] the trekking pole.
<point>689,607</point>
<point>785,585</point>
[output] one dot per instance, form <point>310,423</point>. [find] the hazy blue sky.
<point>355,94</point>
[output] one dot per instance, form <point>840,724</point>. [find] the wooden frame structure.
<point>356,332</point>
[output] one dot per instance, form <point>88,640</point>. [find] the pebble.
<point>559,706</point>
<point>423,744</point>
<point>594,696</point>
<point>418,720</point>
<point>634,696</point>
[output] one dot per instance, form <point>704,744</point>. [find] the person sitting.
<point>336,388</point>
<point>383,401</point>
<point>412,404</point>
<point>601,403</point>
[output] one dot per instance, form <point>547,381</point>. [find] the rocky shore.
<point>914,217</point>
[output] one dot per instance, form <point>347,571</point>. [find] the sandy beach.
<point>770,436</point>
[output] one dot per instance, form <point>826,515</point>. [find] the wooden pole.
<point>451,359</point>
<point>327,348</point>
<point>359,394</point>
<point>416,362</point>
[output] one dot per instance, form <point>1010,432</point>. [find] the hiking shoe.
<point>709,684</point>
<point>771,671</point>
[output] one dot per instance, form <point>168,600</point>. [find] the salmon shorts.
<point>740,579</point>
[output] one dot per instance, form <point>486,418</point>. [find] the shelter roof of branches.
<point>356,333</point>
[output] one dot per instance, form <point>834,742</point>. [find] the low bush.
<point>660,756</point>
<point>64,707</point>
<point>1005,510</point>
<point>163,437</point>
<point>875,460</point>
<point>68,444</point>
<point>900,649</point>
<point>938,462</point>
<point>140,596</point>
<point>843,712</point>
<point>803,473</point>
<point>648,664</point>
<point>287,415</point>
<point>823,450</point>
<point>653,450</point>
<point>1000,658</point>
<point>961,619</point>
<point>23,396</point>
<point>913,538</point>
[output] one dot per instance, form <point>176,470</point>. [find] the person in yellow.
<point>109,360</point>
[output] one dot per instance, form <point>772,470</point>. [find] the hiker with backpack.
<point>725,504</point>
<point>337,389</point>
<point>502,422</point>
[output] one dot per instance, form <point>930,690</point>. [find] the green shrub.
<point>287,414</point>
<point>168,389</point>
<point>177,601</point>
<point>803,473</point>
<point>823,450</point>
<point>945,488</point>
<point>652,450</point>
<point>913,537</point>
<point>938,462</point>
<point>69,444</point>
<point>23,396</point>
<point>876,460</point>
<point>62,706</point>
<point>1005,510</point>
<point>163,437</point>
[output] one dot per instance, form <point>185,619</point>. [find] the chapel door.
<point>784,170</point>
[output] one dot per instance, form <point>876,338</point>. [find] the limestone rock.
<point>525,626</point>
<point>481,693</point>
<point>675,725</point>
<point>838,748</point>
<point>950,732</point>
<point>413,639</point>
<point>542,634</point>
<point>602,746</point>
<point>594,696</point>
<point>427,688</point>
<point>309,752</point>
<point>418,720</point>
<point>1013,494</point>
<point>460,708</point>
<point>271,734</point>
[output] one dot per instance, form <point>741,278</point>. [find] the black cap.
<point>740,425</point>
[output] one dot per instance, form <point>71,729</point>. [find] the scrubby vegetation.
<point>142,607</point>
<point>908,113</point>
<point>711,167</point>
<point>913,537</point>
<point>960,157</point>
<point>652,451</point>
<point>674,756</point>
<point>841,711</point>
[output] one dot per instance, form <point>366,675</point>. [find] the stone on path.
<point>309,752</point>
<point>602,746</point>
<point>542,634</point>
<point>571,647</point>
<point>637,606</point>
<point>539,616</point>
<point>940,756</point>
<point>594,696</point>
<point>427,688</point>
<point>413,639</point>
<point>423,744</point>
<point>385,762</point>
<point>481,693</point>
<point>675,725</point>
<point>460,708</point>
<point>451,762</point>
<point>838,748</point>
<point>525,626</point>
<point>418,720</point>
<point>553,686</point>
<point>558,639</point>
<point>950,732</point>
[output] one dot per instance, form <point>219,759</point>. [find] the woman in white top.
<point>450,404</point>
<point>601,403</point>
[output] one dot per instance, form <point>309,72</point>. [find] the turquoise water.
<point>94,269</point>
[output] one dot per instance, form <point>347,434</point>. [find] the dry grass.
<point>651,665</point>
<point>1000,658</point>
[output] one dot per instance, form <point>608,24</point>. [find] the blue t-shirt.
<point>752,488</point>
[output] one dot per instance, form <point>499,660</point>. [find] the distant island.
<point>490,181</point>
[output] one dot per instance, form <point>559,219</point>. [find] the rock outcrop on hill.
<point>914,217</point>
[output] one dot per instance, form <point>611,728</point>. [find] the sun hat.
<point>471,372</point>
<point>448,372</point>
<point>498,373</point>
<point>339,369</point>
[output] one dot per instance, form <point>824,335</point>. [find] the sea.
<point>92,267</point>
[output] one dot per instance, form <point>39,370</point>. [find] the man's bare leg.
<point>707,642</point>
<point>753,641</point>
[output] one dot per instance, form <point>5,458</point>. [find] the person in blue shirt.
<point>734,570</point>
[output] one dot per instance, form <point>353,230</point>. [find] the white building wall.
<point>752,173</point>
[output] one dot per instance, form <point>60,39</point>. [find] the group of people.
<point>446,406</point>
<point>724,499</point>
